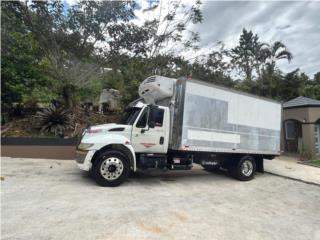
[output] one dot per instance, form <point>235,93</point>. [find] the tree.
<point>136,52</point>
<point>166,31</point>
<point>255,58</point>
<point>170,24</point>
<point>276,52</point>
<point>244,55</point>
<point>312,87</point>
<point>49,51</point>
<point>316,78</point>
<point>268,83</point>
<point>93,39</point>
<point>268,55</point>
<point>69,40</point>
<point>22,65</point>
<point>292,85</point>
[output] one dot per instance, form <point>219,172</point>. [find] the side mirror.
<point>151,124</point>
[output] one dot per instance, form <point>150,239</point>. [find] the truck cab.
<point>144,130</point>
<point>150,131</point>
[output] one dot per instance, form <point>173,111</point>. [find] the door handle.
<point>161,140</point>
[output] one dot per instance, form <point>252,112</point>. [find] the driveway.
<point>53,199</point>
<point>289,167</point>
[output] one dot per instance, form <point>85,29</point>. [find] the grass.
<point>315,163</point>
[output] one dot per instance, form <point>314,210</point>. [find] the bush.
<point>53,120</point>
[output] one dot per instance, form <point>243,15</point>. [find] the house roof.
<point>301,102</point>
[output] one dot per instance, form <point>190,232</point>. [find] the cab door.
<point>151,139</point>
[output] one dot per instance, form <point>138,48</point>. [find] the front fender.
<point>103,141</point>
<point>133,155</point>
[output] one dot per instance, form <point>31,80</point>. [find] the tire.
<point>111,169</point>
<point>244,169</point>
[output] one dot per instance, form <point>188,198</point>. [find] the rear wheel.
<point>111,169</point>
<point>244,169</point>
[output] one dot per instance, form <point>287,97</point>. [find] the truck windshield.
<point>130,116</point>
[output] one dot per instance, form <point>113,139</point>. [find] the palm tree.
<point>262,53</point>
<point>278,51</point>
<point>266,58</point>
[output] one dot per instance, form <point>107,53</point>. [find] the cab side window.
<point>142,122</point>
<point>159,117</point>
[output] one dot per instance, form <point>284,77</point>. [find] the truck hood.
<point>108,126</point>
<point>107,129</point>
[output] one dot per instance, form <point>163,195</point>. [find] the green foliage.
<point>293,85</point>
<point>21,71</point>
<point>169,28</point>
<point>257,61</point>
<point>305,153</point>
<point>68,41</point>
<point>312,87</point>
<point>91,93</point>
<point>39,94</point>
<point>268,83</point>
<point>73,52</point>
<point>53,120</point>
<point>50,53</point>
<point>127,77</point>
<point>247,86</point>
<point>244,55</point>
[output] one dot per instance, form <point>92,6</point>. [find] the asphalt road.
<point>53,199</point>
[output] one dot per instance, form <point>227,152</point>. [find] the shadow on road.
<point>155,176</point>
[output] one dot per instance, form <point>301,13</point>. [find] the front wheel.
<point>244,169</point>
<point>111,169</point>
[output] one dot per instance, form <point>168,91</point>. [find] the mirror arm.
<point>144,130</point>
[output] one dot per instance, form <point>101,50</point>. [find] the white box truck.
<point>178,122</point>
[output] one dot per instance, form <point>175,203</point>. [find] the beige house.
<point>301,126</point>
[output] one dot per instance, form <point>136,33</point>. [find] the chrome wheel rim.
<point>111,168</point>
<point>247,168</point>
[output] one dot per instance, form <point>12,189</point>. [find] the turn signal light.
<point>84,146</point>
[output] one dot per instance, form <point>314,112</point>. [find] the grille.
<point>151,79</point>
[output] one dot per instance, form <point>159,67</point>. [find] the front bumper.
<point>81,155</point>
<point>83,159</point>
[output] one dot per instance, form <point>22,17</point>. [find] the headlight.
<point>91,131</point>
<point>84,146</point>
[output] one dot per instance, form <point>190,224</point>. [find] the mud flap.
<point>259,164</point>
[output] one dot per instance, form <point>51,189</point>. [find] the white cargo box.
<point>210,118</point>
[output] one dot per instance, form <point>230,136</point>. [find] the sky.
<point>296,24</point>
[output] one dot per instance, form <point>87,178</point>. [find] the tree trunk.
<point>67,94</point>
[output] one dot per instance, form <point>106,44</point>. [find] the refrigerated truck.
<point>179,122</point>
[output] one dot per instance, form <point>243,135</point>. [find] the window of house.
<point>290,129</point>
